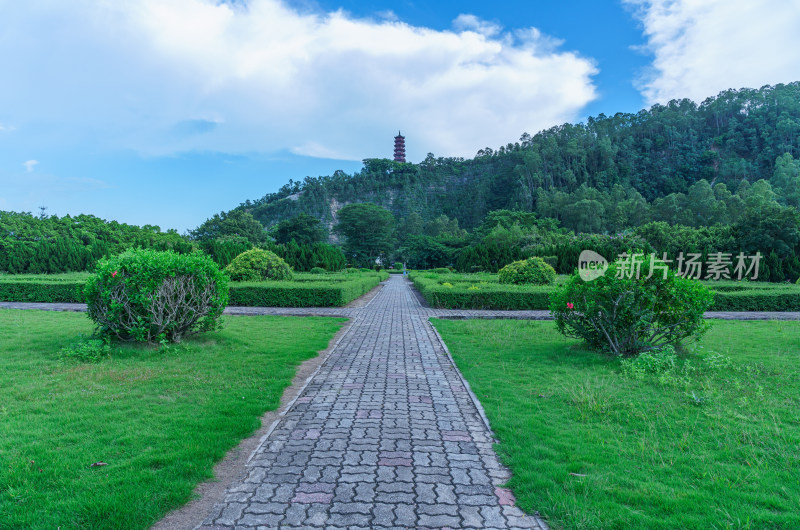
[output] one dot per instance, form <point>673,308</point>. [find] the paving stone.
<point>405,515</point>
<point>438,509</point>
<point>438,521</point>
<point>348,520</point>
<point>383,515</point>
<point>270,507</point>
<point>352,507</point>
<point>308,498</point>
<point>471,516</point>
<point>231,513</point>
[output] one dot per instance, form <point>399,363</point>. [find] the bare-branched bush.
<point>151,296</point>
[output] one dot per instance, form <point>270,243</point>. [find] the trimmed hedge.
<point>41,291</point>
<point>302,294</point>
<point>480,291</point>
<point>310,290</point>
<point>257,265</point>
<point>452,292</point>
<point>337,290</point>
<point>531,271</point>
<point>776,299</point>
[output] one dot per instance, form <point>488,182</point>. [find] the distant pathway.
<point>386,435</point>
<point>349,312</point>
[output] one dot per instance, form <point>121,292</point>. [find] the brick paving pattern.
<point>386,435</point>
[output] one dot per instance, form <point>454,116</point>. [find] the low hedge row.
<point>41,291</point>
<point>326,292</point>
<point>460,294</point>
<point>303,294</point>
<point>779,298</point>
<point>480,295</point>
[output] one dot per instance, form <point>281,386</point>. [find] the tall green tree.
<point>234,223</point>
<point>786,178</point>
<point>304,229</point>
<point>368,230</point>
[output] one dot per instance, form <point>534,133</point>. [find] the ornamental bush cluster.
<point>257,265</point>
<point>153,296</point>
<point>630,315</point>
<point>531,271</point>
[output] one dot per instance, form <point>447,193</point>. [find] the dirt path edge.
<point>233,466</point>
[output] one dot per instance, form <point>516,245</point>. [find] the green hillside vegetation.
<point>603,175</point>
<point>719,176</point>
<point>682,177</point>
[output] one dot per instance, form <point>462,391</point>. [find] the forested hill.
<point>572,171</point>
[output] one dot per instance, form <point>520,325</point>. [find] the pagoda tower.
<point>399,148</point>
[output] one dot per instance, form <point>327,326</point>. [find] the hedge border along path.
<point>338,292</point>
<point>454,314</point>
<point>308,291</point>
<point>467,294</point>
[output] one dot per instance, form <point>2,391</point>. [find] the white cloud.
<point>6,128</point>
<point>148,74</point>
<point>702,47</point>
<point>30,165</point>
<point>466,22</point>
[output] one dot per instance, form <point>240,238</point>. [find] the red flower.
<point>570,305</point>
<point>113,274</point>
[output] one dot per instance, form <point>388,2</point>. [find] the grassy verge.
<point>160,418</point>
<point>483,291</point>
<point>710,445</point>
<point>305,290</point>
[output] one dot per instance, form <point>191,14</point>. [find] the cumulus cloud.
<point>164,77</point>
<point>467,22</point>
<point>702,47</point>
<point>30,165</point>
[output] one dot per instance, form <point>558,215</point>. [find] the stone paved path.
<point>429,312</point>
<point>386,435</point>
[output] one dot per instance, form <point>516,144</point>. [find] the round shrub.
<point>626,315</point>
<point>257,265</point>
<point>156,296</point>
<point>441,270</point>
<point>531,271</point>
<point>317,270</point>
<point>351,270</point>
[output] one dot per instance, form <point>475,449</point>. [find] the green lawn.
<point>160,418</point>
<point>716,446</point>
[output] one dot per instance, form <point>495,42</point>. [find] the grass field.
<point>159,417</point>
<point>711,445</point>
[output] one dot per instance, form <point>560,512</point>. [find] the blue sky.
<point>168,111</point>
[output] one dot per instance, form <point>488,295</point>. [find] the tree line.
<point>719,176</point>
